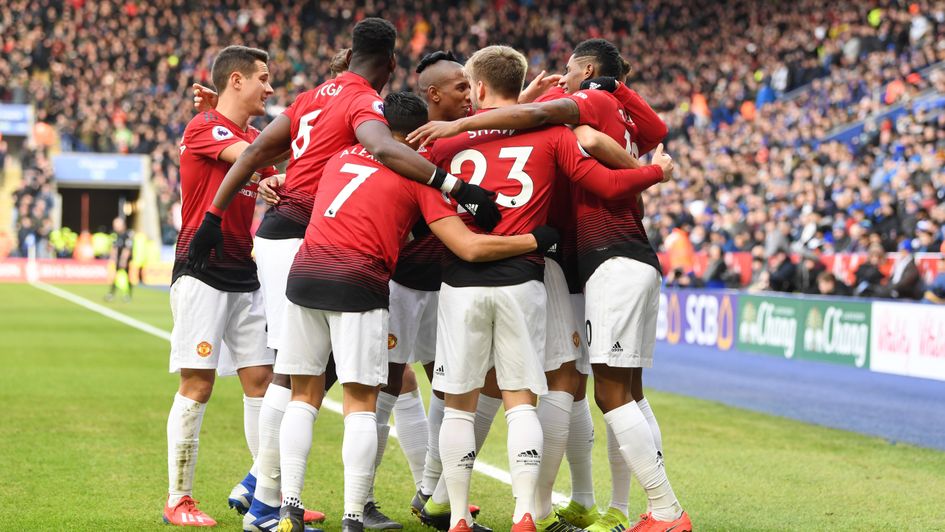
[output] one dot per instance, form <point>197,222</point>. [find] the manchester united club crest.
<point>391,341</point>
<point>575,339</point>
<point>204,349</point>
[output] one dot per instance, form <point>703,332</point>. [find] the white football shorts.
<point>622,299</point>
<point>357,339</point>
<point>412,334</point>
<point>484,326</point>
<point>213,329</point>
<point>273,260</point>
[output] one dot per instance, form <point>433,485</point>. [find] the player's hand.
<point>205,99</point>
<point>479,202</point>
<point>538,86</point>
<point>267,188</point>
<point>547,238</point>
<point>603,83</point>
<point>434,130</point>
<point>209,237</point>
<point>664,161</point>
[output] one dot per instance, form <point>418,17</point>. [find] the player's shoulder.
<point>210,121</point>
<point>596,97</point>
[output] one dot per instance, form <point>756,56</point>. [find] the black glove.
<point>478,201</point>
<point>602,83</point>
<point>547,238</point>
<point>208,237</point>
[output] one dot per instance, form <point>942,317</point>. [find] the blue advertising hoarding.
<point>99,170</point>
<point>692,317</point>
<point>16,119</point>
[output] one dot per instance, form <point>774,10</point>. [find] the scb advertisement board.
<point>697,318</point>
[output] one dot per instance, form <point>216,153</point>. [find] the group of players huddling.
<point>393,240</point>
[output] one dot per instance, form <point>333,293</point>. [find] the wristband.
<point>216,211</point>
<point>442,180</point>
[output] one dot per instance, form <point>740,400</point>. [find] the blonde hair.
<point>339,63</point>
<point>502,68</point>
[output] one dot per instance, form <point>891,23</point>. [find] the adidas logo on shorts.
<point>440,371</point>
<point>616,348</point>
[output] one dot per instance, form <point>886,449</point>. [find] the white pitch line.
<point>488,470</point>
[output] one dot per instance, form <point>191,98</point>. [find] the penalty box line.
<point>488,470</point>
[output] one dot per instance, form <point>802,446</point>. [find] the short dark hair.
<point>405,112</point>
<point>232,59</point>
<point>435,57</point>
<point>605,54</point>
<point>374,37</point>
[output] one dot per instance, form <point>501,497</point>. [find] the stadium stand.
<point>796,129</point>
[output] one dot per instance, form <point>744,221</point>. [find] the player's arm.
<point>522,116</point>
<point>651,130</point>
<point>475,247</point>
<point>602,181</point>
<point>604,149</point>
<point>376,137</point>
<point>269,146</point>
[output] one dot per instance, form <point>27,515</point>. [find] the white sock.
<point>413,432</point>
<point>486,409</point>
<point>580,447</point>
<point>619,475</point>
<point>359,453</point>
<point>251,408</point>
<point>383,434</point>
<point>554,414</point>
<point>183,441</point>
<point>458,453</point>
<point>268,470</point>
<point>524,447</point>
<point>432,467</point>
<point>385,405</point>
<point>651,420</point>
<point>295,442</point>
<point>633,434</point>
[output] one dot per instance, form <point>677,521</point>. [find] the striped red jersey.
<point>520,167</point>
<point>201,173</point>
<point>418,266</point>
<point>323,122</point>
<point>361,217</point>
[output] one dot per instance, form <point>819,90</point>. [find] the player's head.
<point>118,224</point>
<point>405,112</point>
<point>339,63</point>
<point>496,72</point>
<point>372,50</point>
<point>590,59</point>
<point>241,73</point>
<point>444,86</point>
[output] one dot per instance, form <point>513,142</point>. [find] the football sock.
<point>458,453</point>
<point>359,453</point>
<point>385,405</point>
<point>432,467</point>
<point>486,409</point>
<point>619,475</point>
<point>524,447</point>
<point>412,430</point>
<point>295,442</point>
<point>267,461</point>
<point>651,420</point>
<point>251,408</point>
<point>580,446</point>
<point>633,434</point>
<point>183,440</point>
<point>554,414</point>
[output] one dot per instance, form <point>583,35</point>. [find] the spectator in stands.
<point>904,280</point>
<point>782,271</point>
<point>869,275</point>
<point>936,289</point>
<point>808,272</point>
<point>829,285</point>
<point>714,276</point>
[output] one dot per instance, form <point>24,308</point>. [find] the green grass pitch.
<point>82,444</point>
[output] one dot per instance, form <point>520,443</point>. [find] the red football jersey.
<point>418,266</point>
<point>360,220</point>
<point>608,228</point>
<point>201,174</point>
<point>324,120</point>
<point>520,167</point>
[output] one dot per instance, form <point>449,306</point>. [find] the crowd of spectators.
<point>750,90</point>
